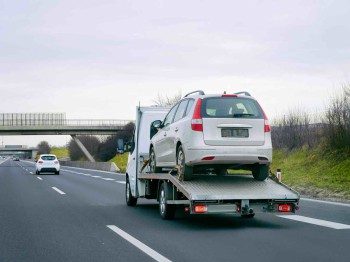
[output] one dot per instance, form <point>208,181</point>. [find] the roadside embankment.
<point>103,166</point>
<point>313,174</point>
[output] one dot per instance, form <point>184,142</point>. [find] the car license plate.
<point>234,132</point>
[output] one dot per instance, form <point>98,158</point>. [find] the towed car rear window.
<point>48,158</point>
<point>230,107</point>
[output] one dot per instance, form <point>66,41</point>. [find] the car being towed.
<point>213,133</point>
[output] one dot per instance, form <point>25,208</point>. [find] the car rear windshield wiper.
<point>242,115</point>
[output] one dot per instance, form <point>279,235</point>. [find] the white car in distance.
<point>47,163</point>
<point>213,133</point>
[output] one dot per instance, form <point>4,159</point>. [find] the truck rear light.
<point>284,208</point>
<point>208,158</point>
<point>200,209</point>
<point>40,162</point>
<point>197,121</point>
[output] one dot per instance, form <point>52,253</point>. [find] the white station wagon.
<point>213,133</point>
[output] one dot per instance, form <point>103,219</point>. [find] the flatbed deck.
<point>230,187</point>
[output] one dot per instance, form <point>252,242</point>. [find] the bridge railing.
<point>63,122</point>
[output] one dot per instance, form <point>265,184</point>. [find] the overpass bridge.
<point>22,152</point>
<point>14,124</point>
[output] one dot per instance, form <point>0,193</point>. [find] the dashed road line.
<point>108,179</point>
<point>144,248</point>
<point>31,173</point>
<point>97,176</point>
<point>317,222</point>
<point>39,178</point>
<point>120,182</point>
<point>59,191</point>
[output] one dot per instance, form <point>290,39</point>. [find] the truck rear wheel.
<point>260,172</point>
<point>152,162</point>
<point>130,200</point>
<point>185,171</point>
<point>166,211</point>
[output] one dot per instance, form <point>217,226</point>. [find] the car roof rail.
<point>243,93</point>
<point>198,91</point>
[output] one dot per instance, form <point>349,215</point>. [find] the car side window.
<point>189,106</point>
<point>170,116</point>
<point>181,110</point>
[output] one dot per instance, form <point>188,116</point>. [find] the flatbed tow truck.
<point>204,194</point>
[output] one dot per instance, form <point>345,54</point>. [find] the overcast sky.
<point>99,59</point>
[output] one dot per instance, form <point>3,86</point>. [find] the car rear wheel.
<point>221,171</point>
<point>152,162</point>
<point>260,172</point>
<point>185,171</point>
<point>57,172</point>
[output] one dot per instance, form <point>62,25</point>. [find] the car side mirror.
<point>155,125</point>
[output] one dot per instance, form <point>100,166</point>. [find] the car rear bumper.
<point>227,156</point>
<point>48,169</point>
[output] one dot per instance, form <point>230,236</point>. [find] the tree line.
<point>331,131</point>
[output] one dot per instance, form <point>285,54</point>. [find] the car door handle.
<point>164,134</point>
<point>176,129</point>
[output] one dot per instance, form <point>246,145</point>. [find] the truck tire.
<point>260,172</point>
<point>166,211</point>
<point>185,171</point>
<point>152,162</point>
<point>248,216</point>
<point>130,200</point>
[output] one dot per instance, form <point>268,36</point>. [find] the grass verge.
<point>313,174</point>
<point>121,161</point>
<point>60,152</point>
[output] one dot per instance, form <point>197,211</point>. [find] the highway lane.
<point>40,224</point>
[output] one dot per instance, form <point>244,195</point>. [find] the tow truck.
<point>206,193</point>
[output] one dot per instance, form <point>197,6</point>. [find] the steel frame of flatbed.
<point>264,203</point>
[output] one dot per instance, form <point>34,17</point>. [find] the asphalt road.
<point>81,215</point>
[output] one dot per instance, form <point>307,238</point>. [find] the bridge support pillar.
<point>83,148</point>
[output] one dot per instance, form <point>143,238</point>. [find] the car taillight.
<point>267,127</point>
<point>40,162</point>
<point>56,162</point>
<point>284,208</point>
<point>200,209</point>
<point>197,121</point>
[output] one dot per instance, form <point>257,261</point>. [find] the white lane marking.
<point>97,176</point>
<point>120,182</point>
<point>317,222</point>
<point>107,179</point>
<point>146,249</point>
<point>325,202</point>
<point>57,190</point>
<point>109,172</point>
<point>39,178</point>
<point>31,173</point>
